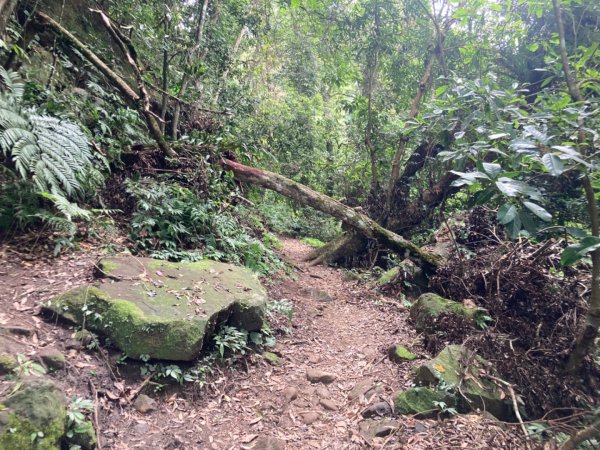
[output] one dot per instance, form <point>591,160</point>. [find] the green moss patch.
<point>421,401</point>
<point>399,353</point>
<point>428,306</point>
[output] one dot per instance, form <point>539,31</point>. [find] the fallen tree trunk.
<point>306,196</point>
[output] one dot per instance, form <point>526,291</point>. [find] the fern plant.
<point>53,153</point>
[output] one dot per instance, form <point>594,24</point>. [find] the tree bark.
<point>6,9</point>
<point>306,196</point>
<point>588,331</point>
<point>140,101</point>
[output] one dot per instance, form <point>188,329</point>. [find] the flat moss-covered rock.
<point>161,309</point>
<point>421,401</point>
<point>399,353</point>
<point>429,306</point>
<point>38,407</point>
<point>459,369</point>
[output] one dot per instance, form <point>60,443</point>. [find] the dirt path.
<point>339,327</point>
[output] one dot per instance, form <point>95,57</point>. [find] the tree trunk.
<point>588,331</point>
<point>185,80</point>
<point>351,217</point>
<point>6,9</point>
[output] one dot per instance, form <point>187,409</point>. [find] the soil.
<point>340,327</point>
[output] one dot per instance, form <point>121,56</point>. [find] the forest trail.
<point>339,327</point>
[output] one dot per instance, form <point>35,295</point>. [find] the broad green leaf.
<point>575,252</point>
<point>513,227</point>
<point>514,188</point>
<point>507,213</point>
<point>439,91</point>
<point>538,211</point>
<point>492,169</point>
<point>553,163</point>
<point>498,136</point>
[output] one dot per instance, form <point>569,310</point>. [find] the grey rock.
<point>310,417</point>
<point>268,443</point>
<point>52,359</point>
<point>379,409</point>
<point>329,405</point>
<point>319,376</point>
<point>144,404</point>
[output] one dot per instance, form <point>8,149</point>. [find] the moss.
<point>272,358</point>
<point>399,353</point>
<point>7,364</point>
<point>313,242</point>
<point>428,306</point>
<point>421,401</point>
<point>388,276</point>
<point>448,368</point>
<point>38,407</point>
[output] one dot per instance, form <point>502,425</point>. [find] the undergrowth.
<point>171,222</point>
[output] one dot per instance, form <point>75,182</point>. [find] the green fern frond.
<point>13,83</point>
<point>69,210</point>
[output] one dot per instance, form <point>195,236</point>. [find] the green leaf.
<point>553,163</point>
<point>507,213</point>
<point>533,47</point>
<point>538,211</point>
<point>498,136</point>
<point>575,252</point>
<point>439,91</point>
<point>513,227</point>
<point>492,169</point>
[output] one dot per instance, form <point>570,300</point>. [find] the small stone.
<point>323,392</point>
<point>268,443</point>
<point>360,388</point>
<point>144,404</point>
<point>399,353</point>
<point>314,359</point>
<point>319,295</point>
<point>310,417</point>
<point>371,428</point>
<point>73,344</point>
<point>272,358</point>
<point>85,337</point>
<point>141,428</point>
<point>379,409</point>
<point>329,405</point>
<point>290,394</point>
<point>384,430</point>
<point>52,359</point>
<point>318,376</point>
<point>420,428</point>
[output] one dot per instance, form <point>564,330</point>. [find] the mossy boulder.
<point>428,306</point>
<point>459,369</point>
<point>399,353</point>
<point>38,407</point>
<point>161,309</point>
<point>421,401</point>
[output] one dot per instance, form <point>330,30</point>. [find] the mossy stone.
<point>162,309</point>
<point>39,406</point>
<point>7,364</point>
<point>420,401</point>
<point>428,306</point>
<point>451,367</point>
<point>388,276</point>
<point>272,358</point>
<point>399,353</point>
